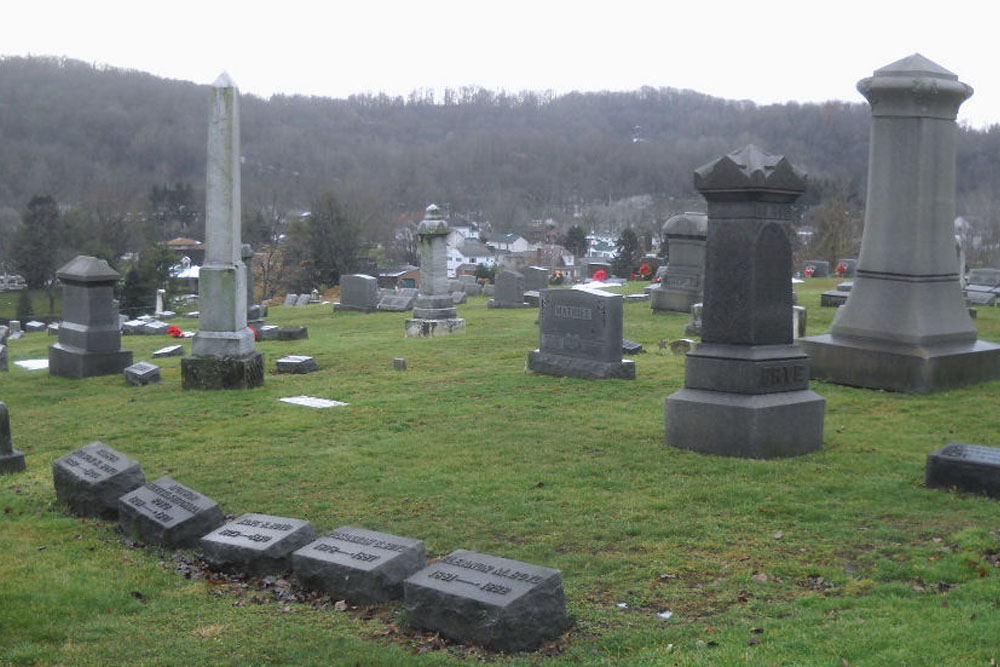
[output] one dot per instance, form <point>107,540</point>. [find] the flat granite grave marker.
<point>397,303</point>
<point>142,373</point>
<point>312,402</point>
<point>293,333</point>
<point>169,351</point>
<point>501,604</point>
<point>297,363</point>
<point>11,460</point>
<point>269,332</point>
<point>33,364</point>
<point>168,513</point>
<point>92,479</point>
<point>257,543</point>
<point>362,566</point>
<point>972,468</point>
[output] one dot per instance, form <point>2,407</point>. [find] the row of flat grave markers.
<point>497,603</point>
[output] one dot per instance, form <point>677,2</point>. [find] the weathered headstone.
<point>581,336</point>
<point>89,337</point>
<point>293,332</point>
<point>132,327</point>
<point>303,300</point>
<point>459,297</point>
<point>297,363</point>
<point>986,277</point>
<point>52,329</point>
<point>905,326</point>
<point>168,513</point>
<point>682,284</point>
<point>4,358</point>
<point>434,314</point>
<point>498,603</point>
<point>693,328</point>
<point>971,468</point>
<point>470,285</point>
<point>536,278</point>
<point>4,333</point>
<point>363,566</point>
<point>269,332</point>
<point>11,460</point>
<point>142,373</point>
<point>850,265</point>
<point>223,355</point>
<point>34,326</point>
<point>399,364</point>
<point>169,351</point>
<point>358,292</point>
<point>681,346</point>
<point>155,328</point>
<point>290,299</point>
<point>256,312</point>
<point>819,268</point>
<point>398,302</point>
<point>746,389</point>
<point>508,291</point>
<point>257,543</point>
<point>92,479</point>
<point>631,346</point>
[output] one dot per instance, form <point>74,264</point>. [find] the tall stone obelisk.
<point>434,313</point>
<point>223,355</point>
<point>905,326</point>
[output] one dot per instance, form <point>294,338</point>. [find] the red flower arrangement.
<point>600,275</point>
<point>174,331</point>
<point>644,270</point>
<point>256,334</point>
<point>632,277</point>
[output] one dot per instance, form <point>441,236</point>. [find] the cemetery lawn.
<point>837,557</point>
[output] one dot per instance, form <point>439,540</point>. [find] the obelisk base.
<point>11,463</point>
<point>209,373</point>
<point>911,369</point>
<point>75,362</point>
<point>421,328</point>
<point>750,426</point>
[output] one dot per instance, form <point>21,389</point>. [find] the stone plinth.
<point>89,335</point>
<point>257,543</point>
<point>423,328</point>
<point>209,373</point>
<point>168,513</point>
<point>363,566</point>
<point>92,479</point>
<point>498,603</point>
<point>746,389</point>
<point>682,283</point>
<point>905,327</point>
<point>11,460</point>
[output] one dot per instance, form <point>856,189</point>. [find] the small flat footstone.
<point>142,373</point>
<point>363,566</point>
<point>297,363</point>
<point>169,351</point>
<point>92,479</point>
<point>631,346</point>
<point>972,468</point>
<point>399,364</point>
<point>293,333</point>
<point>312,402</point>
<point>501,604</point>
<point>168,513</point>
<point>33,364</point>
<point>257,543</point>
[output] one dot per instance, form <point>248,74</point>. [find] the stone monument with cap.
<point>682,284</point>
<point>434,312</point>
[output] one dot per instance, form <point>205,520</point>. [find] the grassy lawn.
<point>838,557</point>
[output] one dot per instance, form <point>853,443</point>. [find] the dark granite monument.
<point>360,565</point>
<point>905,326</point>
<point>11,460</point>
<point>223,355</point>
<point>971,468</point>
<point>434,312</point>
<point>90,340</point>
<point>501,604</point>
<point>682,285</point>
<point>167,513</point>
<point>92,479</point>
<point>746,389</point>
<point>358,292</point>
<point>508,292</point>
<point>536,278</point>
<point>581,336</point>
<point>257,543</point>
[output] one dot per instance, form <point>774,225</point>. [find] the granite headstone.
<point>92,479</point>
<point>168,513</point>
<point>257,543</point>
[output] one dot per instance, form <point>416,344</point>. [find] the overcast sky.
<point>762,50</point>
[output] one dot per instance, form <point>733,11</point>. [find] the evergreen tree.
<point>627,254</point>
<point>37,245</point>
<point>576,241</point>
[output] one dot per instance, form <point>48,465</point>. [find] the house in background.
<point>509,242</point>
<point>469,254</point>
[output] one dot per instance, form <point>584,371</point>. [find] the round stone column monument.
<point>434,312</point>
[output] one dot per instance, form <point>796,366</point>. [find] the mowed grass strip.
<point>838,555</point>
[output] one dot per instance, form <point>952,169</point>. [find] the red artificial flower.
<point>632,277</point>
<point>600,275</point>
<point>174,331</point>
<point>256,334</point>
<point>644,269</point>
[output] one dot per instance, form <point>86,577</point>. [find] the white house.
<point>469,253</point>
<point>510,242</point>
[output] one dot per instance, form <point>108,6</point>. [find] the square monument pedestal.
<point>752,426</point>
<point>11,463</point>
<point>913,369</point>
<point>222,372</point>
<point>77,363</point>
<point>419,328</point>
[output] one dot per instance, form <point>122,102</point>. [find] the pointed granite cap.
<point>914,87</point>
<point>433,222</point>
<point>86,269</point>
<point>750,174</point>
<point>224,81</point>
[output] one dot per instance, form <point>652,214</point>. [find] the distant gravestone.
<point>681,346</point>
<point>498,603</point>
<point>52,329</point>
<point>971,468</point>
<point>508,291</point>
<point>4,358</point>
<point>303,300</point>
<point>168,513</point>
<point>142,373</point>
<point>362,566</point>
<point>850,265</point>
<point>290,299</point>
<point>682,283</point>
<point>399,364</point>
<point>434,312</point>
<point>297,363</point>
<point>155,328</point>
<point>11,460</point>
<point>533,298</point>
<point>987,277</point>
<point>458,297</point>
<point>4,332</point>
<point>631,346</point>
<point>535,278</point>
<point>833,298</point>
<point>293,333</point>
<point>489,289</point>
<point>693,328</point>
<point>257,543</point>
<point>799,321</point>
<point>397,303</point>
<point>169,351</point>
<point>269,332</point>
<point>132,327</point>
<point>34,326</point>
<point>581,336</point>
<point>92,479</point>
<point>820,268</point>
<point>470,285</point>
<point>358,292</point>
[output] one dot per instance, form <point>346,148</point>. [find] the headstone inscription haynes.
<point>257,543</point>
<point>971,468</point>
<point>498,603</point>
<point>168,513</point>
<point>360,565</point>
<point>581,336</point>
<point>11,460</point>
<point>92,479</point>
